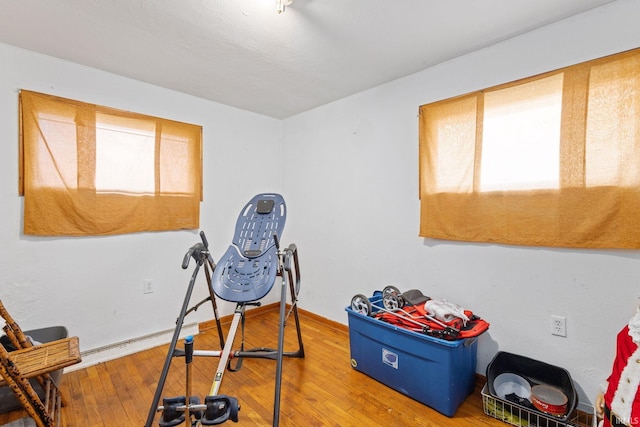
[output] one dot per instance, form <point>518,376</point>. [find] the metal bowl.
<point>509,383</point>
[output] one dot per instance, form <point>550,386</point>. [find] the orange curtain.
<point>92,170</point>
<point>593,198</point>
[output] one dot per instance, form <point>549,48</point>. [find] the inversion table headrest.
<point>247,270</point>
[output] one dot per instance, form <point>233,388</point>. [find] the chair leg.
<point>25,393</point>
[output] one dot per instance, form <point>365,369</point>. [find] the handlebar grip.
<point>204,239</point>
<point>287,259</point>
<point>187,257</point>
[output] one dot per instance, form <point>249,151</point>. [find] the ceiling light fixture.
<point>280,5</point>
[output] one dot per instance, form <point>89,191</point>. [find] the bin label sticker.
<point>390,358</point>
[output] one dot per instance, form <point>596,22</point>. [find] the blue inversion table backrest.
<point>247,270</point>
<point>262,218</point>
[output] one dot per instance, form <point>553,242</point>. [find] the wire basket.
<point>517,415</point>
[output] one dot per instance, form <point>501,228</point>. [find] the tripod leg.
<point>294,286</point>
<point>283,304</point>
<point>172,348</point>
<point>188,358</point>
<point>213,302</point>
<point>291,257</point>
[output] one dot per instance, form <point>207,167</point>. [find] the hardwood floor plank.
<point>125,392</point>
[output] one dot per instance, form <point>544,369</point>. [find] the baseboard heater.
<point>133,345</point>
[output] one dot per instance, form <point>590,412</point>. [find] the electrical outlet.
<point>559,326</point>
<point>147,286</point>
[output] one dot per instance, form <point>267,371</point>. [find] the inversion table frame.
<point>245,274</point>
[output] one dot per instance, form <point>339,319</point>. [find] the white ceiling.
<point>244,54</point>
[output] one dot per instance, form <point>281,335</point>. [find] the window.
<point>521,136</point>
<point>92,170</point>
<point>552,160</point>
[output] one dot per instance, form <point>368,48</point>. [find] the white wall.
<point>351,175</point>
<point>94,285</point>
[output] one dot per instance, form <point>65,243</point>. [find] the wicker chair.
<point>31,372</point>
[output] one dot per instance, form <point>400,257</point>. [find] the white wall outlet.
<point>147,286</point>
<point>559,326</point>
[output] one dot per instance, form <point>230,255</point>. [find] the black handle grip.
<point>288,253</point>
<point>193,250</point>
<point>204,239</point>
<point>187,257</point>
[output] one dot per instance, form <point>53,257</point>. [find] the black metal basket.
<point>536,372</point>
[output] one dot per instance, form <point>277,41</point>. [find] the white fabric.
<point>32,341</point>
<point>634,327</point>
<point>445,311</point>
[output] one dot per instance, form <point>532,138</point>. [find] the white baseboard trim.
<point>130,346</point>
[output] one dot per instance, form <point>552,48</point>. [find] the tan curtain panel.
<point>92,170</point>
<point>582,152</point>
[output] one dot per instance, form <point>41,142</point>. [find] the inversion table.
<point>245,274</point>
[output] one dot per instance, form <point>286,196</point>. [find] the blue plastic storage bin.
<point>438,373</point>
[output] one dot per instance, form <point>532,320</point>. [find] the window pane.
<point>449,145</point>
<point>56,164</point>
<point>612,136</point>
<point>456,136</point>
<point>125,157</point>
<point>521,136</point>
<point>177,178</point>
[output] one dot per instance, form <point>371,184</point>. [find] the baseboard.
<point>210,324</point>
<point>130,346</point>
<point>324,320</point>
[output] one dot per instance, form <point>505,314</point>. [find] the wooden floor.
<point>319,390</point>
